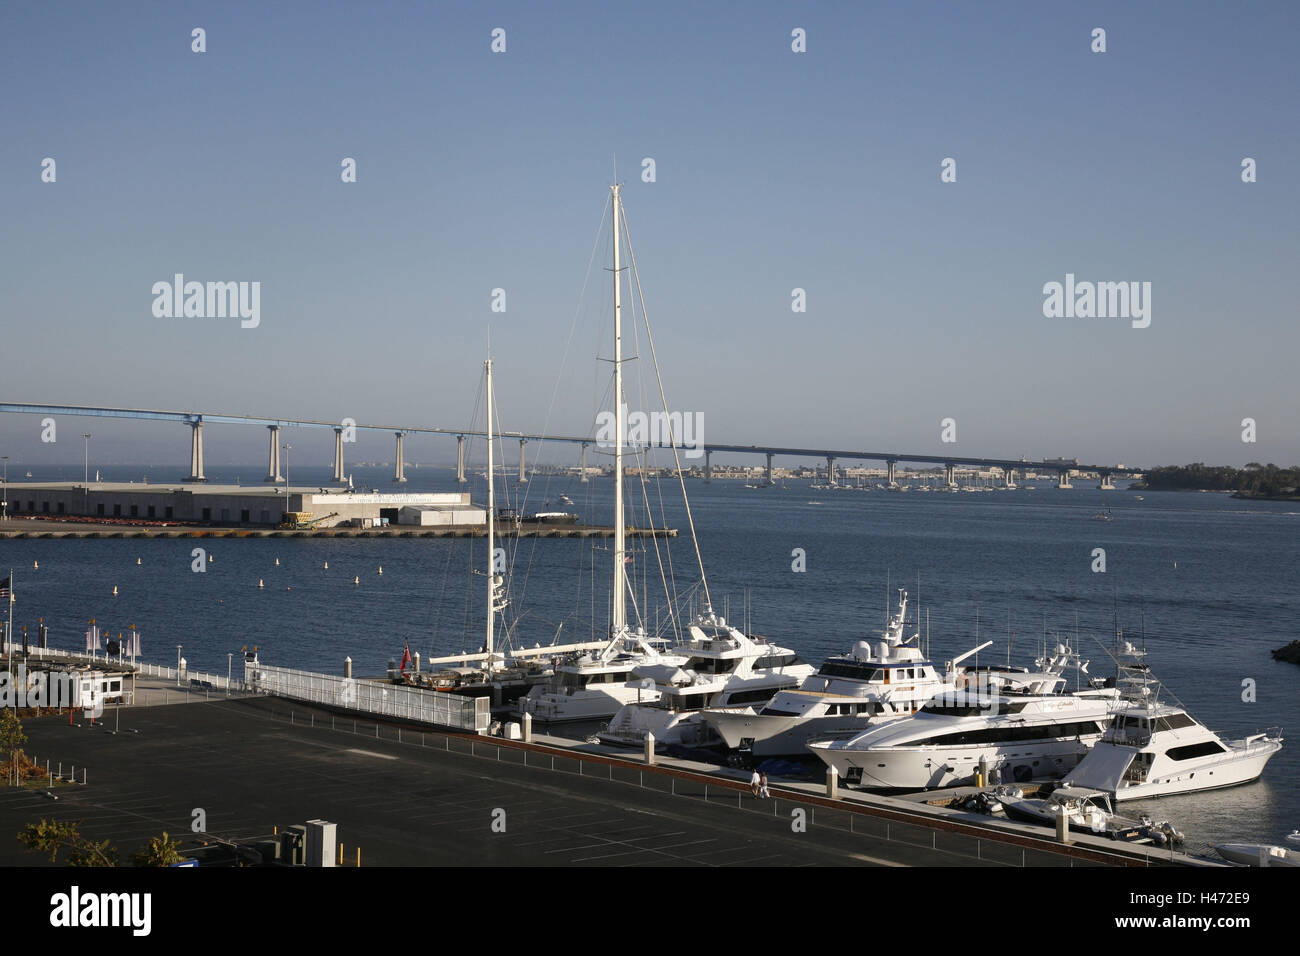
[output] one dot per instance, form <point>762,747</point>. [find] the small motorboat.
<point>1258,854</point>
<point>1091,810</point>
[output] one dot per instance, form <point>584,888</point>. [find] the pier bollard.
<point>832,783</point>
<point>347,668</point>
<point>528,728</point>
<point>649,749</point>
<point>1063,828</point>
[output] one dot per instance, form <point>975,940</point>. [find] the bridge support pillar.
<point>708,465</point>
<point>1010,475</point>
<point>1107,482</point>
<point>273,459</point>
<point>830,470</point>
<point>460,459</point>
<point>338,454</point>
<point>769,469</point>
<point>583,467</point>
<point>196,452</point>
<point>890,465</point>
<point>399,469</point>
<point>1063,479</point>
<point>950,475</point>
<point>523,477</point>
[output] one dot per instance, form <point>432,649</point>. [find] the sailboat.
<point>597,685</point>
<point>495,675</point>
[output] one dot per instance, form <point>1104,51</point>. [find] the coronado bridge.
<point>197,420</point>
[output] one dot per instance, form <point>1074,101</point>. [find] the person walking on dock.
<point>754,782</point>
<point>762,787</point>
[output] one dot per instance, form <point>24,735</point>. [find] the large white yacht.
<point>595,686</point>
<point>845,693</point>
<point>1152,749</point>
<point>1020,737</point>
<point>723,667</point>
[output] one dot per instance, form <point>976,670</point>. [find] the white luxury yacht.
<point>1026,737</point>
<point>723,667</point>
<point>1153,749</point>
<point>844,694</point>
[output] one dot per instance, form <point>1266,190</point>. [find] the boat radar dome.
<point>862,651</point>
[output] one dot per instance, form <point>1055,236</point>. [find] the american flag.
<point>7,587</point>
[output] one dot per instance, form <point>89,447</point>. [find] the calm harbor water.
<point>1211,581</point>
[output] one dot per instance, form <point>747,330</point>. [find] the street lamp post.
<point>287,448</point>
<point>229,657</point>
<point>178,664</point>
<point>86,474</point>
<point>4,497</point>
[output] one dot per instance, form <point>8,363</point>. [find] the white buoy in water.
<point>381,569</point>
<point>36,566</point>
<point>277,562</point>
<point>260,584</point>
<point>356,580</point>
<point>327,565</point>
<point>137,562</point>
<point>114,590</point>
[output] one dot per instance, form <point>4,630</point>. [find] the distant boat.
<point>29,474</point>
<point>1102,515</point>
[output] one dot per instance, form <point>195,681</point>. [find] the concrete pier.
<point>523,477</point>
<point>399,470</point>
<point>460,459</point>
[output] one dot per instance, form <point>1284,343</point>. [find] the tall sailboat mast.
<point>491,524</point>
<point>618,622</point>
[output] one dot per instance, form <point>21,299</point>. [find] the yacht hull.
<point>928,768</point>
<point>771,736</point>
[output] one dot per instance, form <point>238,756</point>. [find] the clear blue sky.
<point>775,170</point>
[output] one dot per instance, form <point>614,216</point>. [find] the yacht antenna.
<point>927,632</point>
<point>1011,637</point>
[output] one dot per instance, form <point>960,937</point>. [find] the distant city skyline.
<point>951,196</point>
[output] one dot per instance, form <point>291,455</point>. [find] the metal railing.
<point>371,697</point>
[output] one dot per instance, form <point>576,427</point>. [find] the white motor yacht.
<point>1152,749</point>
<point>595,686</point>
<point>723,668</point>
<point>1025,737</point>
<point>845,693</point>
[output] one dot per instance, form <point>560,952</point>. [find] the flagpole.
<point>9,623</point>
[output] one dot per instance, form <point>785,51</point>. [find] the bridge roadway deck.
<point>427,800</point>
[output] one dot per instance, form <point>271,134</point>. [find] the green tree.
<point>12,737</point>
<point>52,836</point>
<point>161,851</point>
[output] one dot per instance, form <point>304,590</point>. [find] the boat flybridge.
<point>845,693</point>
<point>722,667</point>
<point>1154,749</point>
<point>1023,736</point>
